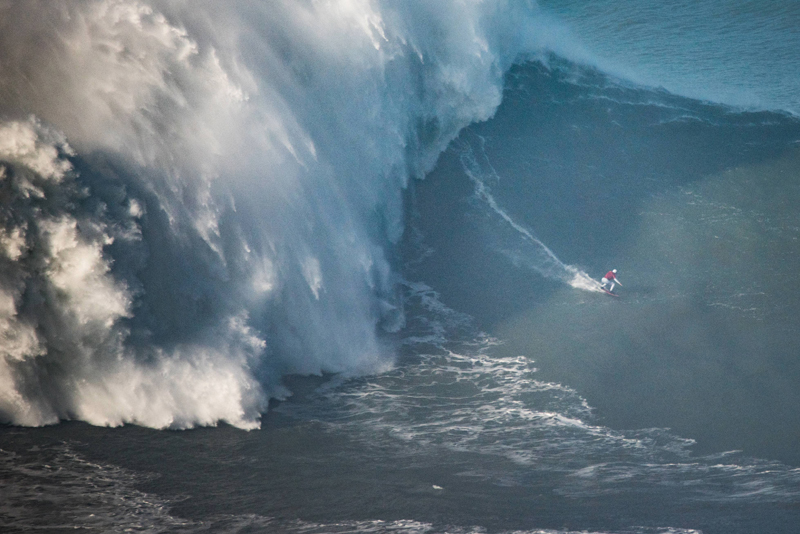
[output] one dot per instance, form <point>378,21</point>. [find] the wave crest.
<point>231,207</point>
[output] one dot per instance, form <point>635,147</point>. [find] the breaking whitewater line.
<point>517,242</point>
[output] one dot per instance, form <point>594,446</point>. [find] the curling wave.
<point>199,199</point>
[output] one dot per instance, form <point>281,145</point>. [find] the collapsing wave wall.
<point>199,199</point>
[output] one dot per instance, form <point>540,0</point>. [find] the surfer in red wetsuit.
<point>609,278</point>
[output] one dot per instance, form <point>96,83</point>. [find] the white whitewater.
<point>202,198</point>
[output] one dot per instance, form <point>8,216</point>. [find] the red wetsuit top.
<point>610,275</point>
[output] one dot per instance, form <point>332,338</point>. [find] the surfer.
<point>609,278</point>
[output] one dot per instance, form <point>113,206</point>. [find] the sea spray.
<point>232,195</point>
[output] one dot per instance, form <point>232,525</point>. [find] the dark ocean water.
<point>513,397</point>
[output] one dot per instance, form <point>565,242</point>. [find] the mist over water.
<point>206,198</point>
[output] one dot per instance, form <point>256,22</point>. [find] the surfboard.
<point>607,292</point>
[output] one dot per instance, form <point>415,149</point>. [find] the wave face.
<point>198,199</point>
<point>693,202</point>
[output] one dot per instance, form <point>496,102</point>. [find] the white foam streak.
<point>528,250</point>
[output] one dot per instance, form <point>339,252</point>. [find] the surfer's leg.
<point>612,286</point>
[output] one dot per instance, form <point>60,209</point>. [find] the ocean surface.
<point>333,267</point>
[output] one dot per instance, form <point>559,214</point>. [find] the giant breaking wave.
<point>200,197</point>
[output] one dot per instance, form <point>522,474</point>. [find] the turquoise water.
<point>742,53</point>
